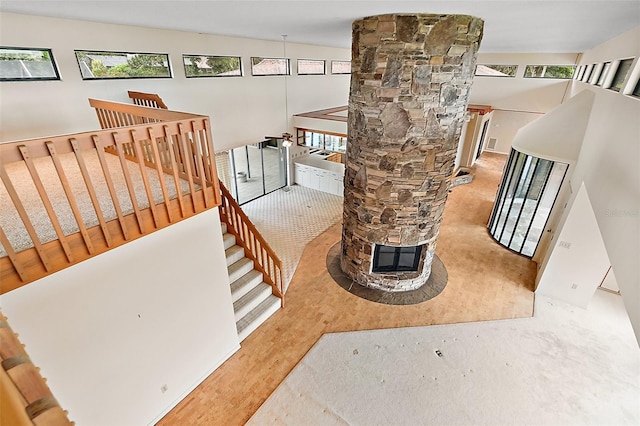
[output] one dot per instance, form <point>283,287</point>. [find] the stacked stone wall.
<point>410,82</point>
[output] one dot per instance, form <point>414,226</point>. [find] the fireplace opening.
<point>396,259</point>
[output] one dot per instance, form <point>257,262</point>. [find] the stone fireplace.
<point>410,82</point>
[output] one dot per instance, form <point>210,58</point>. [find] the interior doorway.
<point>485,127</point>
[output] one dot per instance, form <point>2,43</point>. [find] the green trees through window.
<point>111,65</point>
<point>211,66</point>
<point>549,71</point>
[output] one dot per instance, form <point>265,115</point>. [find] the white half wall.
<point>242,109</point>
<point>578,262</point>
<point>110,332</point>
<point>504,126</point>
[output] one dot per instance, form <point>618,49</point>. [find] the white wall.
<point>109,332</point>
<point>518,101</point>
<point>608,167</point>
<point>242,109</point>
<point>579,261</point>
<point>504,126</point>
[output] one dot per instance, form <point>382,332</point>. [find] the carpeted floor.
<point>21,179</point>
<point>564,366</point>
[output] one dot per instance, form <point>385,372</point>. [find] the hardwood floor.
<point>486,282</point>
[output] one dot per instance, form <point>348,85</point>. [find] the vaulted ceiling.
<point>510,26</point>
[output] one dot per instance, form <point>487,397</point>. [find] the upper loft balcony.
<point>71,197</point>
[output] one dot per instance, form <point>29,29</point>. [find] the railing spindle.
<point>35,177</point>
<point>112,190</point>
<point>13,194</point>
<point>174,168</point>
<point>152,204</point>
<point>199,157</point>
<point>127,178</point>
<point>12,255</point>
<point>163,185</point>
<point>185,147</point>
<point>92,192</point>
<point>70,197</point>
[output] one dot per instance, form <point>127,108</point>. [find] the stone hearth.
<point>410,82</point>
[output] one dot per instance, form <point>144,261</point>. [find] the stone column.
<point>410,82</point>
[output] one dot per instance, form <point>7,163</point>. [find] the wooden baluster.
<point>111,122</point>
<point>70,197</point>
<point>13,194</point>
<point>270,267</point>
<point>46,201</point>
<point>174,168</point>
<point>92,192</point>
<point>145,179</point>
<point>199,157</point>
<point>127,179</point>
<point>204,149</point>
<point>211,152</point>
<point>112,191</point>
<point>101,120</point>
<point>185,150</point>
<point>12,256</point>
<point>163,185</point>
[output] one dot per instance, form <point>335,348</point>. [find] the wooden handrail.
<point>255,246</point>
<point>169,149</point>
<point>25,397</point>
<point>147,99</point>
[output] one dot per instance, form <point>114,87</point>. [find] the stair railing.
<point>170,154</point>
<point>147,99</point>
<point>255,246</point>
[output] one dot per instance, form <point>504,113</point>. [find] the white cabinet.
<point>302,174</point>
<point>316,177</point>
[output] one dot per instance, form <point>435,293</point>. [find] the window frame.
<point>616,69</point>
<point>166,55</point>
<point>602,78</point>
<point>324,66</point>
<point>288,66</point>
<point>301,138</point>
<point>575,67</point>
<point>635,91</point>
<point>334,61</point>
<point>185,55</point>
<point>52,60</point>
<point>515,71</point>
<point>578,73</point>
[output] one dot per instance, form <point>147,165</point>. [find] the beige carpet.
<point>564,366</point>
<point>19,175</point>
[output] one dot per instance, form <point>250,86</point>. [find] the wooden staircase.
<point>253,299</point>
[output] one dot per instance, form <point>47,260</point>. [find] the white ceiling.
<point>510,25</point>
